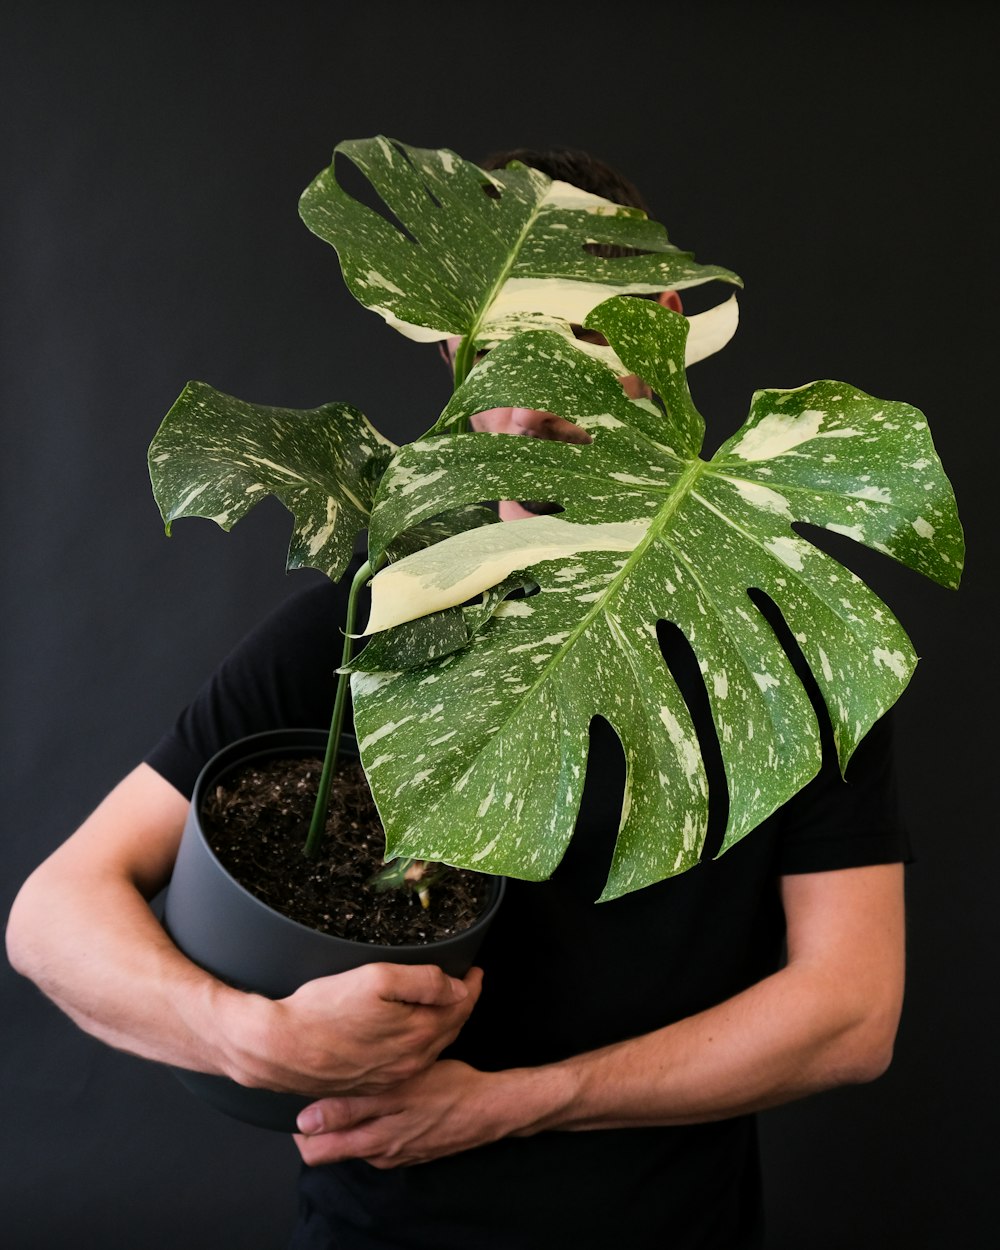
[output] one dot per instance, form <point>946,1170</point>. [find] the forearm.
<point>829,1017</point>
<point>785,1037</point>
<point>777,1041</point>
<point>82,930</point>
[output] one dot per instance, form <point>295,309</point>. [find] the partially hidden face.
<point>534,423</point>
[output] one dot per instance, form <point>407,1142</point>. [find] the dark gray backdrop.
<point>838,158</point>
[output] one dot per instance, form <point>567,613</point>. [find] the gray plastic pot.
<point>223,928</point>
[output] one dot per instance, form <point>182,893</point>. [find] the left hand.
<point>446,1108</point>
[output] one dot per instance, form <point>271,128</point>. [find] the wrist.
<point>236,1028</point>
<point>533,1100</point>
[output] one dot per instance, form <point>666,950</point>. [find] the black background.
<point>838,158</point>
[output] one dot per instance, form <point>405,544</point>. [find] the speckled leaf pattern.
<point>216,456</point>
<point>417,642</point>
<point>437,528</point>
<point>479,759</point>
<point>489,254</point>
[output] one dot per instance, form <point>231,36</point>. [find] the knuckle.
<point>379,977</point>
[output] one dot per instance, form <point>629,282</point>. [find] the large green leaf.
<point>414,643</point>
<point>489,774</point>
<point>488,254</point>
<point>216,456</point>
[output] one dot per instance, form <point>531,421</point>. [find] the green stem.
<point>318,822</point>
<point>464,360</point>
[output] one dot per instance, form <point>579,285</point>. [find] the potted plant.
<point>498,252</point>
<point>493,694</point>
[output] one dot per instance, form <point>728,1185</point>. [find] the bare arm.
<point>82,929</point>
<point>828,1017</point>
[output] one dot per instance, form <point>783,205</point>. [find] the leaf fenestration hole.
<point>420,174</point>
<point>356,185</point>
<point>491,190</point>
<point>680,659</point>
<point>877,569</point>
<point>527,592</point>
<point>772,613</point>
<point>612,250</point>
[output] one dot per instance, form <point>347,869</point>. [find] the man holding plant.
<point>605,1084</point>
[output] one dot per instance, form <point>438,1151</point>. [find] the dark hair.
<point>575,166</point>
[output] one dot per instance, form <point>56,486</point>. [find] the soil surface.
<point>256,821</point>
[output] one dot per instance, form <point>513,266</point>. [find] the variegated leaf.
<point>650,532</point>
<point>415,643</point>
<point>489,254</point>
<point>436,528</point>
<point>216,456</point>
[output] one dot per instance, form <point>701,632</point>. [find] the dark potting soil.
<point>257,822</point>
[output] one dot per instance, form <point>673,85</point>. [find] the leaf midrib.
<point>681,490</point>
<point>504,273</point>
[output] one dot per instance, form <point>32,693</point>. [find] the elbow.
<point>866,1050</point>
<point>14,939</point>
<point>21,942</point>
<point>869,1062</point>
<point>17,947</point>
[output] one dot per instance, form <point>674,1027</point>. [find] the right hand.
<point>358,1032</point>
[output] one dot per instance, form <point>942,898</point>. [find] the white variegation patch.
<point>711,330</point>
<point>761,497</point>
<point>849,531</point>
<point>877,494</point>
<point>409,330</point>
<point>789,551</point>
<point>467,564</point>
<point>896,661</point>
<point>561,194</point>
<point>777,434</point>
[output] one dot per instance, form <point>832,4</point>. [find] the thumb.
<point>423,983</point>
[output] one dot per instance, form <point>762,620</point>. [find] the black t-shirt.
<point>564,975</point>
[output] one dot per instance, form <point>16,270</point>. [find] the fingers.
<point>356,1143</point>
<point>362,1031</point>
<point>424,984</point>
<point>441,1111</point>
<point>337,1115</point>
<point>334,1129</point>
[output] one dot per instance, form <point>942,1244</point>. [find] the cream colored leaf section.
<point>710,331</point>
<point>554,303</point>
<point>564,195</point>
<point>453,571</point>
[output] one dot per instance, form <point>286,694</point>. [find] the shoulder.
<point>317,609</point>
<point>310,619</point>
<point>851,820</point>
<point>281,674</point>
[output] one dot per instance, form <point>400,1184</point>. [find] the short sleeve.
<point>851,821</point>
<point>282,675</point>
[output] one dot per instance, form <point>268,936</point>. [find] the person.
<point>596,1079</point>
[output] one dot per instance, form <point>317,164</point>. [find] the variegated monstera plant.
<point>472,707</point>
